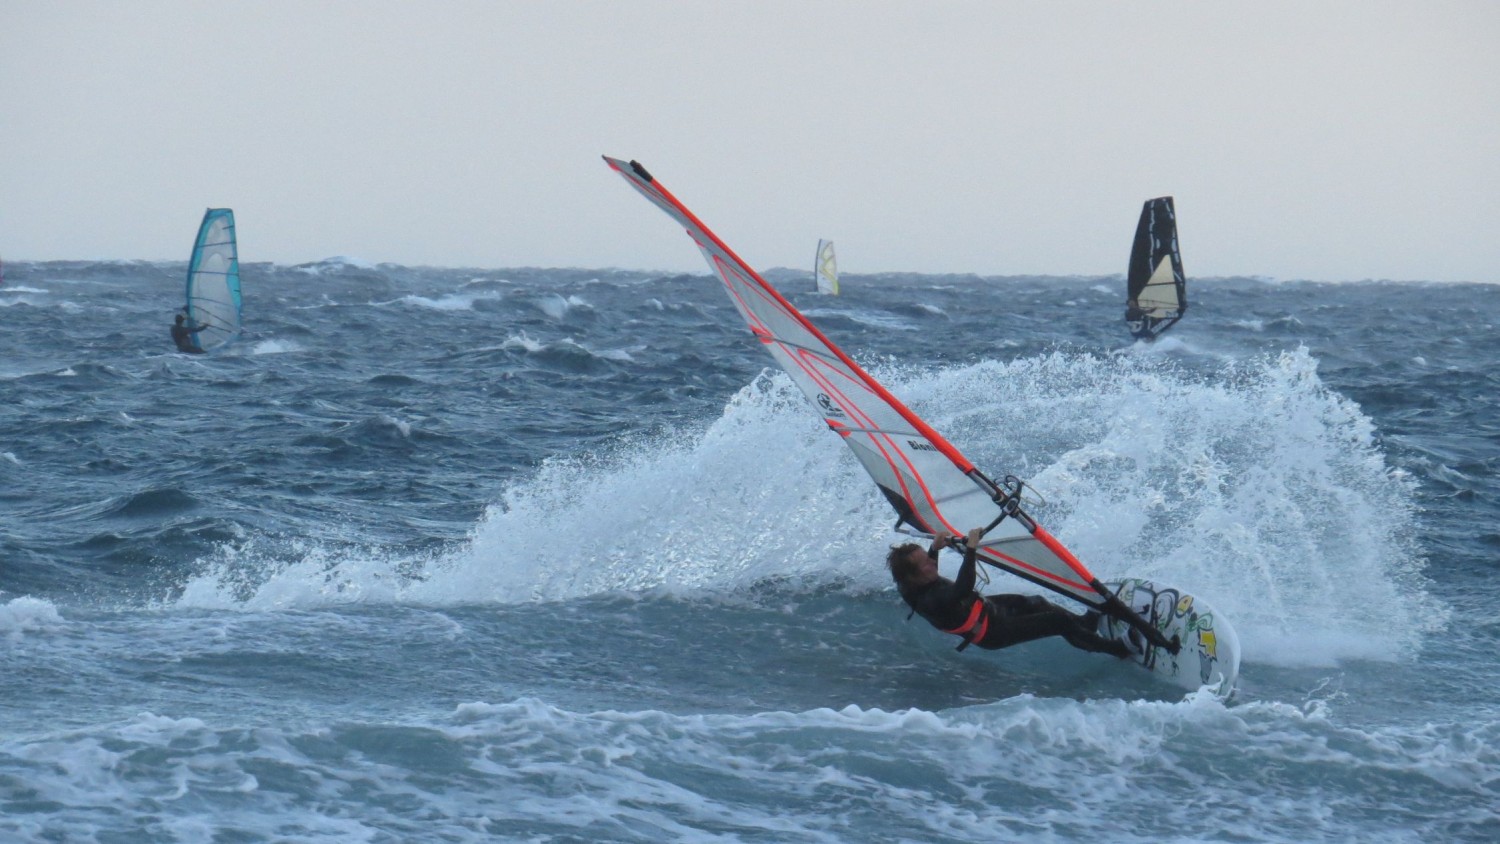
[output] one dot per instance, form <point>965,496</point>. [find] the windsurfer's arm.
<point>942,539</point>
<point>964,584</point>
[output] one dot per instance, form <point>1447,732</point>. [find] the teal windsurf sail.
<point>213,281</point>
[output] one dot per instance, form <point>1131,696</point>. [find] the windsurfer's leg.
<point>1025,618</point>
<point>1094,643</point>
<point>1022,618</point>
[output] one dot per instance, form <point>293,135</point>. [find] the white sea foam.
<point>1026,763</point>
<point>557,307</point>
<point>401,426</point>
<point>25,615</point>
<point>522,341</point>
<point>620,355</point>
<point>264,574</point>
<point>452,301</point>
<point>678,511</point>
<point>526,343</point>
<point>275,347</point>
<point>1258,489</point>
<point>338,261</point>
<point>1015,769</point>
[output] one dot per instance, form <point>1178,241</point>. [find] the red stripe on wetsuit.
<point>975,626</point>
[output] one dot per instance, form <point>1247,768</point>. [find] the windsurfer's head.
<point>179,319</point>
<point>910,563</point>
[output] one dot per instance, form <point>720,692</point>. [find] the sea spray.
<point>1250,484</point>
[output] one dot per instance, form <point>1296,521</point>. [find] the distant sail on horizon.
<point>825,269</point>
<point>1155,287</point>
<point>213,281</point>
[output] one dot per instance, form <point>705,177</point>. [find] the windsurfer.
<point>182,335</point>
<point>991,622</point>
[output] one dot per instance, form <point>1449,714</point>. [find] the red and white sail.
<point>927,480</point>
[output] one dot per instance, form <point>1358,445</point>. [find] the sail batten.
<point>889,431</point>
<point>931,485</point>
<point>213,281</point>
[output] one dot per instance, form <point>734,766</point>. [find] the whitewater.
<point>558,555</point>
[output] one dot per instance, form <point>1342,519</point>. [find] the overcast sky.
<point>1302,140</point>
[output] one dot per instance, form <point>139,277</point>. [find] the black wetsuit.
<point>1002,620</point>
<point>183,337</point>
<point>1135,316</point>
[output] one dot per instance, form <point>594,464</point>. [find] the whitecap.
<point>522,341</point>
<point>453,301</point>
<point>25,615</point>
<point>275,347</point>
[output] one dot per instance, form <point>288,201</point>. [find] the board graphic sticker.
<point>1210,654</point>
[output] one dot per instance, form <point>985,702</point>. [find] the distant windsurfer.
<point>182,335</point>
<point>990,622</point>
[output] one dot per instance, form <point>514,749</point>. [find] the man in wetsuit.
<point>991,622</point>
<point>182,335</point>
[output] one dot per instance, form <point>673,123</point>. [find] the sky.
<point>1312,139</point>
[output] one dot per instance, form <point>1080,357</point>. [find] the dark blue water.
<point>554,555</point>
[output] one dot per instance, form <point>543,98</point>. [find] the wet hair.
<point>900,563</point>
<point>179,317</point>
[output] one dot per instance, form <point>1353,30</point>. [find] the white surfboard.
<point>1210,654</point>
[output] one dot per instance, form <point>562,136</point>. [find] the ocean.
<point>557,555</point>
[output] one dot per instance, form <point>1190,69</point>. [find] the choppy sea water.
<point>556,555</point>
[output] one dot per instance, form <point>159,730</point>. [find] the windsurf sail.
<point>826,269</point>
<point>929,483</point>
<point>1155,287</point>
<point>213,281</point>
